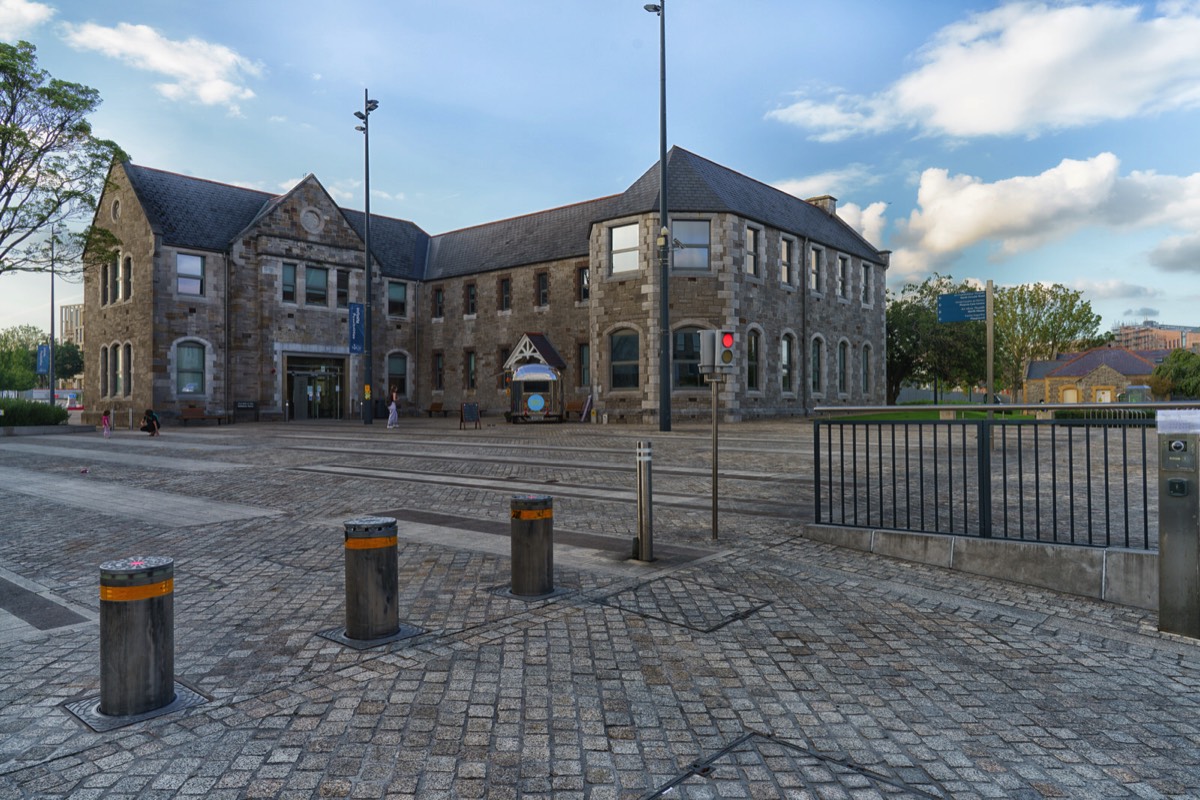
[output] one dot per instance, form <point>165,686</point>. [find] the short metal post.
<point>643,545</point>
<point>532,541</point>
<point>137,635</point>
<point>372,578</point>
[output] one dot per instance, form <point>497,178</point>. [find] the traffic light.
<point>716,350</point>
<point>725,341</point>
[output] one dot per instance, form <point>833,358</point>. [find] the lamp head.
<point>372,105</point>
<point>361,115</point>
<point>653,8</point>
<point>360,128</point>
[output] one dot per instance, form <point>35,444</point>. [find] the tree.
<point>68,360</point>
<point>22,337</point>
<point>1179,373</point>
<point>1035,321</point>
<point>51,166</point>
<point>921,349</point>
<point>16,370</point>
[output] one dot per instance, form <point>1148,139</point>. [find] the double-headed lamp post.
<point>664,235</point>
<point>369,105</point>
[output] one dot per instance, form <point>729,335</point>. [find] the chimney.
<point>826,202</point>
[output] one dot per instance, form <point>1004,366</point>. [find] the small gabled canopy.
<point>535,348</point>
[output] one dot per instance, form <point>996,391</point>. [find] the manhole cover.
<point>690,605</point>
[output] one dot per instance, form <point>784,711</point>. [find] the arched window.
<point>114,280</point>
<point>754,362</point>
<point>866,370</point>
<point>104,372</point>
<point>114,370</point>
<point>397,366</point>
<point>843,365</point>
<point>624,346</point>
<point>104,284</point>
<point>685,356</point>
<point>189,368</point>
<point>787,363</point>
<point>127,277</point>
<point>127,369</point>
<point>816,365</point>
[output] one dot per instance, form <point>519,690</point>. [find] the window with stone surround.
<point>439,302</point>
<point>397,299</point>
<point>754,361</point>
<point>104,284</point>
<point>504,294</point>
<point>623,248</point>
<point>865,279</point>
<point>843,366</point>
<point>288,282</point>
<point>316,286</point>
<point>690,243</point>
<point>685,358</point>
<point>816,270</point>
<point>787,364</point>
<point>127,278</point>
<point>189,368</point>
<point>843,277</point>
<point>583,352</point>
<point>541,289</point>
<point>469,298</point>
<point>866,370</point>
<point>439,371</point>
<point>397,367</point>
<point>343,288</point>
<point>114,370</point>
<point>189,274</point>
<point>624,346</point>
<point>753,237</point>
<point>127,369</point>
<point>583,284</point>
<point>787,251</point>
<point>114,280</point>
<point>816,366</point>
<point>104,371</point>
<point>469,370</point>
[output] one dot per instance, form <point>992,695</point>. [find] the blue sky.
<point>1015,142</point>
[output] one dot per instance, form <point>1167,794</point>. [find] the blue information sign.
<point>963,307</point>
<point>43,359</point>
<point>357,329</point>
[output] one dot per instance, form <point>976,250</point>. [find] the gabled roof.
<point>205,215</point>
<point>535,348</point>
<point>695,184</point>
<point>1125,362</point>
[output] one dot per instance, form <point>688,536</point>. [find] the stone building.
<point>1100,375</point>
<point>236,301</point>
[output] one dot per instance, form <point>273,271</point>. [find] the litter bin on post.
<point>137,635</point>
<point>372,578</point>
<point>532,541</point>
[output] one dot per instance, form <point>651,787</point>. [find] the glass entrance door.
<point>315,387</point>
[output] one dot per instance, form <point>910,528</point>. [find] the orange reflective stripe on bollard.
<point>370,543</point>
<point>129,593</point>
<point>535,513</point>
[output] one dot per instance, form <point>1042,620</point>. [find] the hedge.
<point>26,412</point>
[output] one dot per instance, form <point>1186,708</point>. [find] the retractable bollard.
<point>372,578</point>
<point>643,544</point>
<point>137,635</point>
<point>532,535</point>
<point>1179,522</point>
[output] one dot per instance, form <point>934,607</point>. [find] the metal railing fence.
<point>1090,482</point>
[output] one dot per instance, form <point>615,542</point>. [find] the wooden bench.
<point>189,413</point>
<point>436,408</point>
<point>574,407</point>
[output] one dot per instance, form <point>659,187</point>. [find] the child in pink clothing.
<point>106,425</point>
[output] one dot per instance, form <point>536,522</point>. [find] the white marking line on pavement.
<point>512,487</point>
<point>117,500</point>
<point>87,455</point>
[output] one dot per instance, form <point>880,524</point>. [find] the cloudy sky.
<point>1015,142</point>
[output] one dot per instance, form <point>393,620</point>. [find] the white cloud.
<point>869,222</point>
<point>1025,68</point>
<point>1014,215</point>
<point>836,182</point>
<point>199,71</point>
<point>1113,289</point>
<point>19,17</point>
<point>1145,312</point>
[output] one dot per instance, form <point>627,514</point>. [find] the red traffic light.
<point>726,339</point>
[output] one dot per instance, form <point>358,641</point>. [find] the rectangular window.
<point>118,372</point>
<point>816,366</point>
<point>114,277</point>
<point>127,370</point>
<point>398,373</point>
<point>189,368</point>
<point>316,286</point>
<point>623,359</point>
<point>104,284</point>
<point>127,277</point>
<point>439,372</point>
<point>469,300</point>
<point>343,288</point>
<point>469,369</point>
<point>816,263</point>
<point>583,284</point>
<point>865,277</point>
<point>504,294</point>
<point>786,249</point>
<point>397,299</point>
<point>541,289</point>
<point>787,363</point>
<point>843,277</point>
<point>585,364</point>
<point>690,243</point>
<point>189,274</point>
<point>752,238</point>
<point>289,283</point>
<point>439,302</point>
<point>623,244</point>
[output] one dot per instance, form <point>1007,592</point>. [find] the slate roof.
<point>205,215</point>
<point>1120,360</point>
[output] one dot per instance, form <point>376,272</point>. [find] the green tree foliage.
<point>68,360</point>
<point>1036,321</point>
<point>922,350</point>
<point>18,357</point>
<point>17,370</point>
<point>1178,374</point>
<point>51,166</point>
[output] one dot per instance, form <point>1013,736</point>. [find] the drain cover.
<point>690,605</point>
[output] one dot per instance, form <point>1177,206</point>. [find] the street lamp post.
<point>53,235</point>
<point>664,235</point>
<point>369,105</point>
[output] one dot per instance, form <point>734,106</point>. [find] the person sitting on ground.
<point>150,422</point>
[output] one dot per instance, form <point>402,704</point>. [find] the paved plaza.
<point>759,665</point>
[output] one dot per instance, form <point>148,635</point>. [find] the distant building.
<point>224,298</point>
<point>1101,375</point>
<point>70,324</point>
<point>1151,335</point>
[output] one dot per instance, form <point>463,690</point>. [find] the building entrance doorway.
<point>315,387</point>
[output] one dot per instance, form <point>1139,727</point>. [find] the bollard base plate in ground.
<point>87,710</point>
<point>339,635</point>
<point>506,592</point>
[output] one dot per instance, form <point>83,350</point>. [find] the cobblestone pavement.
<point>760,665</point>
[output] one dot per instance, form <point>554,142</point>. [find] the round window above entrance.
<point>311,220</point>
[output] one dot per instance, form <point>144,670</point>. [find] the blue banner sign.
<point>963,307</point>
<point>357,329</point>
<point>43,359</point>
